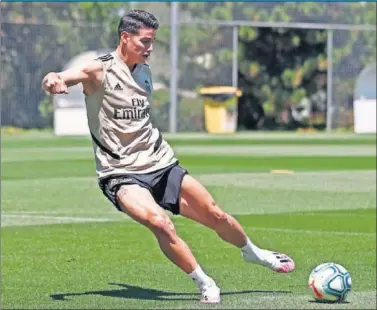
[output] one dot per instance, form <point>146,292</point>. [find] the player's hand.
<point>54,84</point>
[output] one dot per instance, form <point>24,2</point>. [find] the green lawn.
<point>64,246</point>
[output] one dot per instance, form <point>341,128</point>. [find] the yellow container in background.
<point>220,108</point>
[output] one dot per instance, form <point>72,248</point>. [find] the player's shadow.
<point>329,302</point>
<point>136,292</point>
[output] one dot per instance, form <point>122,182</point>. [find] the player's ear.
<point>124,36</point>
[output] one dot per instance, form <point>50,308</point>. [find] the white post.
<point>174,50</point>
<point>235,57</point>
<point>329,109</point>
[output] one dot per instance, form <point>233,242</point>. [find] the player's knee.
<point>216,216</point>
<point>162,225</point>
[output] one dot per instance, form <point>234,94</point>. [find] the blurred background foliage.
<point>279,68</point>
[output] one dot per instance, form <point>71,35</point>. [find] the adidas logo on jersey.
<point>118,87</point>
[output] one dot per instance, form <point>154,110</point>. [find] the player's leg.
<point>138,203</point>
<point>197,204</point>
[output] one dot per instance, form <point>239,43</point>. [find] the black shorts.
<point>163,184</point>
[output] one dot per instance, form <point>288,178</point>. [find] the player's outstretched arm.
<point>89,74</point>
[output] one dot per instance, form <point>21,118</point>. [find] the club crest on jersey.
<point>147,86</point>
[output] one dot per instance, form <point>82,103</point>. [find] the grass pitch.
<point>64,246</point>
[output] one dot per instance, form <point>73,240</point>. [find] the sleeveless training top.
<point>124,139</point>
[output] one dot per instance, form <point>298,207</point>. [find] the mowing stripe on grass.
<point>329,181</point>
<point>352,181</point>
<point>318,232</point>
<point>244,193</point>
<point>242,135</point>
<point>40,169</point>
<point>267,136</point>
<point>21,219</point>
<point>32,220</point>
<point>54,153</point>
<point>355,300</point>
<point>46,153</point>
<point>247,299</point>
<point>273,151</point>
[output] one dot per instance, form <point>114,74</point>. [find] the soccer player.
<point>137,169</point>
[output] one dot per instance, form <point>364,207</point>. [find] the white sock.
<point>199,277</point>
<point>251,251</point>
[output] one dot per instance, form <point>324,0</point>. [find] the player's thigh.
<point>138,203</point>
<point>197,203</point>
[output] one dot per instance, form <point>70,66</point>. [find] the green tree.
<point>275,66</point>
<point>38,38</point>
<point>279,67</point>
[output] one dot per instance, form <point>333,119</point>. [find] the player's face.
<point>140,45</point>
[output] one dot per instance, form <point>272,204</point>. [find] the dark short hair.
<point>136,19</point>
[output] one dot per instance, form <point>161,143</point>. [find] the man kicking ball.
<point>137,169</point>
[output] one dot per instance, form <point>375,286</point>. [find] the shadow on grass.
<point>136,292</point>
<point>329,302</point>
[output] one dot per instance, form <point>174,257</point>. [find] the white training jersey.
<point>124,139</point>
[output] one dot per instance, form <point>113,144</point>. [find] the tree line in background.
<point>279,69</point>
